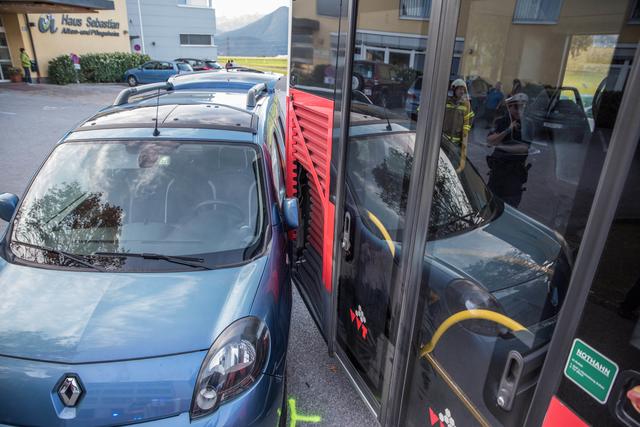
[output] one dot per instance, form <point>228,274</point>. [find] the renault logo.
<point>70,390</point>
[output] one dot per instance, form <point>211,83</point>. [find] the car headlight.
<point>233,363</point>
<point>461,295</point>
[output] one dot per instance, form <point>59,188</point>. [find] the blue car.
<point>155,71</point>
<point>144,275</point>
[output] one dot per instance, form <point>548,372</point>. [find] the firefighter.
<point>457,119</point>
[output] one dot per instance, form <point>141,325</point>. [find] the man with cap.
<point>457,118</point>
<point>508,170</point>
<point>507,132</point>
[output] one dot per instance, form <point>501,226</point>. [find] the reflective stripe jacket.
<point>457,119</point>
<point>25,60</point>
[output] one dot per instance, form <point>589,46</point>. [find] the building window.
<point>537,11</point>
<point>196,3</point>
<point>195,39</point>
<point>634,17</point>
<point>328,8</point>
<point>415,9</point>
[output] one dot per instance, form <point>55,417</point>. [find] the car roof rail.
<point>254,93</point>
<point>247,70</point>
<point>124,95</point>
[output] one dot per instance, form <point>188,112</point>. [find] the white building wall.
<point>162,23</point>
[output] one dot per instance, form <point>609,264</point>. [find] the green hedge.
<point>61,71</point>
<point>109,67</point>
<point>94,67</point>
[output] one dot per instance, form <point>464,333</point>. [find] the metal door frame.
<point>345,105</point>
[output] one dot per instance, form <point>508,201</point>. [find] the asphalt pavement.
<point>33,118</point>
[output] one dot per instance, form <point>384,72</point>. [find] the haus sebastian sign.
<point>80,26</point>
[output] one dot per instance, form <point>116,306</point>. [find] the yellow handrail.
<point>383,230</point>
<point>461,316</point>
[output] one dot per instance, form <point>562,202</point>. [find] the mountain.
<point>268,36</point>
<point>224,24</point>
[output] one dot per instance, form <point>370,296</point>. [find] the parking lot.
<point>34,117</point>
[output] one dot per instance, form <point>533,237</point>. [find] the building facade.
<point>45,36</point>
<point>170,29</point>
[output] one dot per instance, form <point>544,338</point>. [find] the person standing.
<point>228,65</point>
<point>26,65</point>
<point>508,168</point>
<point>457,119</point>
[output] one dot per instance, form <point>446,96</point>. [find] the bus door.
<point>525,128</point>
<point>387,57</point>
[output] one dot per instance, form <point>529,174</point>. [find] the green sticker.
<point>164,160</point>
<point>590,370</point>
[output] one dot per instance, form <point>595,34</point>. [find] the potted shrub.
<point>14,74</point>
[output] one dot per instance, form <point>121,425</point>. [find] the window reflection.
<point>532,109</point>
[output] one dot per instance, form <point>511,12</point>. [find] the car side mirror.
<point>290,211</point>
<point>8,204</point>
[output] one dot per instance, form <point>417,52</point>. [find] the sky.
<point>234,8</point>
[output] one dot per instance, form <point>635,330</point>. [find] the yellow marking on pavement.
<point>295,417</point>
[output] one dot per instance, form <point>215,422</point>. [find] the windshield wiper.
<point>59,252</point>
<point>176,259</point>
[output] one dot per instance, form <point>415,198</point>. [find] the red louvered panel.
<point>309,133</point>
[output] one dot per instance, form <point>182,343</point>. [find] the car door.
<point>166,70</point>
<point>147,73</point>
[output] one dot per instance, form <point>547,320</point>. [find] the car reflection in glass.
<point>481,254</point>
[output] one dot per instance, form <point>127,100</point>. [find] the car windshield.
<point>201,200</point>
<point>182,66</point>
<point>380,172</point>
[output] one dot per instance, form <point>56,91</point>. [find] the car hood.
<point>79,317</point>
<point>509,250</point>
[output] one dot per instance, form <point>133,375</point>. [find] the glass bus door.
<point>523,135</point>
<point>379,150</point>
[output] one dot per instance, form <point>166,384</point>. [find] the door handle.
<point>520,373</point>
<point>346,234</point>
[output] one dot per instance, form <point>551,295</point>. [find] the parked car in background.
<point>155,71</point>
<point>412,101</point>
<point>213,65</point>
<point>168,248</point>
<point>380,82</point>
<point>556,115</point>
<point>196,64</point>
